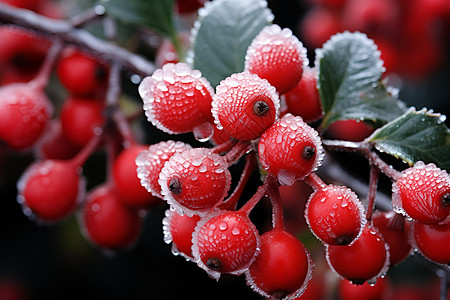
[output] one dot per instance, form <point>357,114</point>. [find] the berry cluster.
<point>264,117</point>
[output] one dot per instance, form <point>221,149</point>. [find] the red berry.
<point>28,4</point>
<point>395,235</point>
<point>50,190</point>
<point>282,268</point>
<point>349,130</point>
<point>178,230</point>
<point>433,240</point>
<point>128,185</point>
<point>151,161</point>
<point>195,181</point>
<point>364,260</point>
<point>178,100</point>
<point>81,74</point>
<point>106,222</point>
<point>422,193</point>
<point>303,100</point>
<point>245,105</point>
<point>350,291</point>
<point>25,112</point>
<point>225,242</point>
<point>80,118</point>
<point>290,149</point>
<point>318,25</point>
<point>188,6</point>
<point>335,215</point>
<point>276,55</point>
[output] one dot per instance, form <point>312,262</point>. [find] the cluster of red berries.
<point>408,33</point>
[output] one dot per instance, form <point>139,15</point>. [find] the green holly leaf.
<point>415,136</point>
<point>222,34</point>
<point>349,81</point>
<point>155,14</point>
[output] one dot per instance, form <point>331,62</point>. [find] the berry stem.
<point>42,78</point>
<point>88,17</point>
<point>224,147</point>
<point>260,192</point>
<point>80,158</point>
<point>373,184</point>
<point>70,34</point>
<point>237,152</point>
<point>250,166</point>
<point>314,181</point>
<point>365,149</point>
<point>277,208</point>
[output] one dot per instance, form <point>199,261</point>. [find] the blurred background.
<point>42,261</point>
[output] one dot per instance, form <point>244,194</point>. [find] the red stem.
<point>314,181</point>
<point>232,201</point>
<point>277,208</point>
<point>43,76</point>
<point>224,147</point>
<point>373,183</point>
<point>237,152</point>
<point>260,192</point>
<point>80,158</point>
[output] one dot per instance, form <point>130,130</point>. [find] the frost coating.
<point>176,98</point>
<point>150,162</point>
<point>335,212</point>
<point>277,55</point>
<point>233,105</point>
<point>203,181</point>
<point>229,236</point>
<point>281,149</point>
<point>419,192</point>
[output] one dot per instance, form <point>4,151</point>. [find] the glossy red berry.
<point>422,193</point>
<point>25,112</point>
<point>395,231</point>
<point>364,260</point>
<point>128,185</point>
<point>178,99</point>
<point>335,215</point>
<point>50,190</point>
<point>106,222</point>
<point>290,149</point>
<point>195,181</point>
<point>350,291</point>
<point>433,241</point>
<point>303,100</point>
<point>349,130</point>
<point>80,73</point>
<point>225,242</point>
<point>81,118</point>
<point>151,161</point>
<point>283,267</point>
<point>245,105</point>
<point>318,25</point>
<point>278,56</point>
<point>178,230</point>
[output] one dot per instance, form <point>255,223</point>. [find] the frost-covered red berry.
<point>304,100</point>
<point>128,185</point>
<point>50,190</point>
<point>290,149</point>
<point>364,260</point>
<point>225,242</point>
<point>150,162</point>
<point>106,222</point>
<point>395,231</point>
<point>245,105</point>
<point>422,193</point>
<point>178,100</point>
<point>335,215</point>
<point>283,267</point>
<point>278,56</point>
<point>25,111</point>
<point>432,240</point>
<point>195,181</point>
<point>178,230</point>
